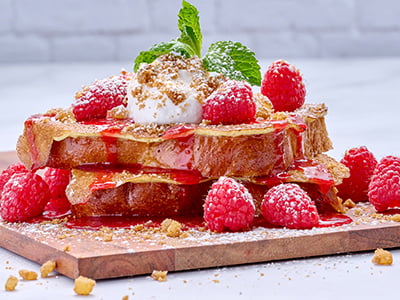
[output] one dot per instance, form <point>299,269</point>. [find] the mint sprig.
<point>189,26</point>
<point>160,49</point>
<point>232,59</point>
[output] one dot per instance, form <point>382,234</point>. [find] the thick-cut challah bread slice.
<point>98,190</point>
<point>56,140</point>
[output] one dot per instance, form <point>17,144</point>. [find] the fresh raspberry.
<point>57,181</point>
<point>361,163</point>
<point>284,87</point>
<point>384,188</point>
<point>95,100</point>
<point>10,171</point>
<point>24,196</point>
<point>288,205</point>
<point>228,205</point>
<point>231,103</point>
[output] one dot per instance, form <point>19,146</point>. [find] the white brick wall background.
<point>109,30</point>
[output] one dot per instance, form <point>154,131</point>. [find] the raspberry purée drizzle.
<point>104,180</point>
<point>184,133</point>
<point>280,127</point>
<point>188,222</point>
<point>109,130</point>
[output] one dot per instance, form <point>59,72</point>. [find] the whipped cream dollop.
<point>171,89</point>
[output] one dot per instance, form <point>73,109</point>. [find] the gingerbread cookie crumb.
<point>395,218</point>
<point>265,108</point>
<point>349,203</point>
<point>171,227</point>
<point>382,257</point>
<point>11,283</point>
<point>159,275</point>
<point>28,275</point>
<point>119,113</point>
<point>107,237</point>
<point>84,285</point>
<point>48,267</point>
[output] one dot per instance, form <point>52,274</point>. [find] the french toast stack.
<point>158,149</point>
<point>123,168</point>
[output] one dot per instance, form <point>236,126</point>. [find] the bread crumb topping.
<point>84,285</point>
<point>382,257</point>
<point>28,275</point>
<point>48,267</point>
<point>159,275</point>
<point>11,283</point>
<point>171,227</point>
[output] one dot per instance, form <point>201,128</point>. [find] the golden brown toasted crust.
<point>244,150</point>
<point>315,138</point>
<point>94,192</point>
<point>144,199</point>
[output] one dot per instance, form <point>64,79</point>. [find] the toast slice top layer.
<point>55,139</point>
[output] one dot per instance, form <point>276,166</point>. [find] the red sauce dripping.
<point>185,154</point>
<point>188,222</point>
<point>279,150</point>
<point>326,220</point>
<point>110,129</point>
<point>56,213</point>
<point>103,180</point>
<point>33,149</point>
<point>279,124</point>
<point>110,142</point>
<point>279,134</point>
<point>107,123</point>
<point>333,220</point>
<point>313,171</point>
<point>105,173</point>
<point>391,211</point>
<point>179,131</point>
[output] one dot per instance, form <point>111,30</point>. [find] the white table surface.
<point>363,96</point>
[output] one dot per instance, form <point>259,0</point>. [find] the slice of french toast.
<point>99,190</point>
<point>56,140</point>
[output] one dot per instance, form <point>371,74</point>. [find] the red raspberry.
<point>228,205</point>
<point>10,171</point>
<point>57,181</point>
<point>231,103</point>
<point>361,163</point>
<point>95,100</point>
<point>24,196</point>
<point>384,188</point>
<point>290,206</point>
<point>284,87</point>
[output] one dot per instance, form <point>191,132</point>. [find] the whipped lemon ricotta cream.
<point>171,89</point>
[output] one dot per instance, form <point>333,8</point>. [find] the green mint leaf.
<point>189,26</point>
<point>160,49</point>
<point>234,60</point>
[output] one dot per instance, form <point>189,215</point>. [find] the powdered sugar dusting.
<point>143,239</point>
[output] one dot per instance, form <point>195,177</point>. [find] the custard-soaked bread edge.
<point>161,195</point>
<point>315,138</point>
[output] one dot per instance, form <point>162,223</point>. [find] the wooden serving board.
<point>134,252</point>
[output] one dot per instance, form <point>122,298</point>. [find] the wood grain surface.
<point>128,253</point>
<point>97,259</point>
